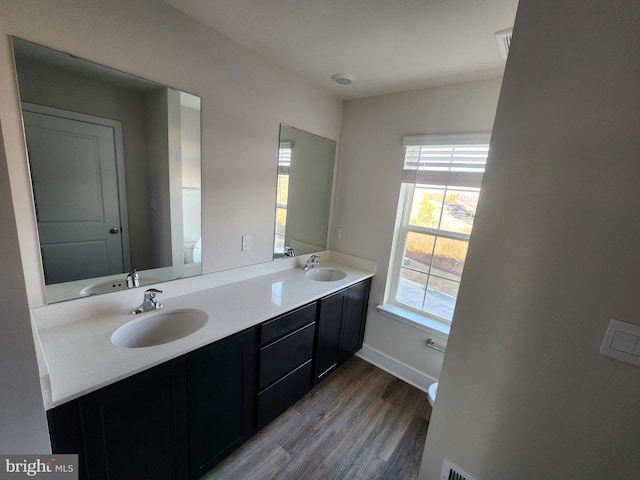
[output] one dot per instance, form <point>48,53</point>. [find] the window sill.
<point>413,319</point>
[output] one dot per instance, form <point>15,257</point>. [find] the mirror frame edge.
<point>22,195</point>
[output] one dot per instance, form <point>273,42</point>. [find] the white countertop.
<point>77,356</point>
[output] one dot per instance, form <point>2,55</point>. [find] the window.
<point>440,190</point>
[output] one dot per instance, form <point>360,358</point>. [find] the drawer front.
<point>286,354</point>
<point>285,324</point>
<point>282,394</point>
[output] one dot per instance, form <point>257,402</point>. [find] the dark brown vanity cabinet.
<point>132,429</point>
<point>221,394</point>
<point>174,421</point>
<point>354,319</point>
<point>286,353</point>
<point>341,322</point>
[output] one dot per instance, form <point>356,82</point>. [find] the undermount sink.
<point>159,328</point>
<point>113,285</point>
<point>325,275</point>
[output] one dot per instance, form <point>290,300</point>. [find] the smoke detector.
<point>343,78</point>
<point>503,39</point>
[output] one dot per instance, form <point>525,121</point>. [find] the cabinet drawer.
<point>287,323</point>
<point>286,354</point>
<point>282,394</point>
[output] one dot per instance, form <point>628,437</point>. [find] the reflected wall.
<point>305,181</point>
<point>159,172</point>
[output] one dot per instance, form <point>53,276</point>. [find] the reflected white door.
<point>75,183</point>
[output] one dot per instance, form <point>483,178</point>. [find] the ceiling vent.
<point>503,38</point>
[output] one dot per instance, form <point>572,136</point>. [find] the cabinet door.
<point>328,338</point>
<point>221,399</point>
<point>135,428</point>
<point>353,321</point>
<point>65,431</point>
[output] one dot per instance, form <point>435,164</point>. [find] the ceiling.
<point>388,45</point>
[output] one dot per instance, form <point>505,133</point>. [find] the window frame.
<point>404,227</point>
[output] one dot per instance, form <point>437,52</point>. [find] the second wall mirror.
<point>305,182</point>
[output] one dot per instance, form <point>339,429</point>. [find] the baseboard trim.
<point>396,368</point>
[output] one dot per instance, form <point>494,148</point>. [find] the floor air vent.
<point>451,472</point>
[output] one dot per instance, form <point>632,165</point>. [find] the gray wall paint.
<point>524,393</point>
<point>368,188</point>
<point>23,426</point>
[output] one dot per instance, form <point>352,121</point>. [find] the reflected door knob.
<point>114,230</point>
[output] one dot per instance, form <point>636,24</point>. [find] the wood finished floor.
<point>361,423</point>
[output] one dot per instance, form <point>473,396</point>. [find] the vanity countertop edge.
<point>77,357</point>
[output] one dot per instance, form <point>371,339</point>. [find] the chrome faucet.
<point>133,280</point>
<point>312,262</point>
<point>149,303</point>
<point>288,252</point>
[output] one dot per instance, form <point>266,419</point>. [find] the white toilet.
<point>433,389</point>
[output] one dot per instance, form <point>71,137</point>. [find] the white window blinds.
<point>454,160</point>
<point>284,158</point>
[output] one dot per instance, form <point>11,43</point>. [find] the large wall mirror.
<point>305,182</point>
<point>115,171</point>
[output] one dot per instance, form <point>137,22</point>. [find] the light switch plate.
<point>622,342</point>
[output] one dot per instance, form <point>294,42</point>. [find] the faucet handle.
<point>150,294</point>
<point>312,261</point>
<point>150,302</point>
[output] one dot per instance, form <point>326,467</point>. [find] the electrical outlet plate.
<point>246,243</point>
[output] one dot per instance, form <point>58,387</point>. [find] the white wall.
<point>244,100</point>
<point>22,422</point>
<point>368,187</point>
<point>524,393</point>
